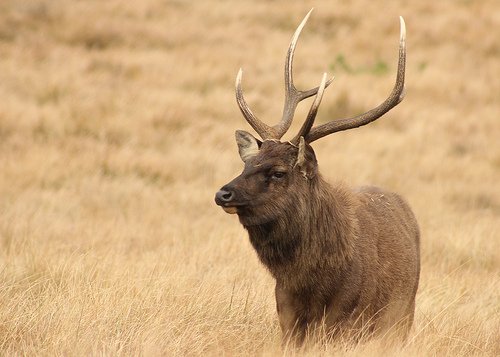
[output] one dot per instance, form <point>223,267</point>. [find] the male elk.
<point>345,259</point>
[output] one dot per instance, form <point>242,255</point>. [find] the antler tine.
<point>264,130</point>
<point>306,127</point>
<point>394,99</point>
<point>292,95</point>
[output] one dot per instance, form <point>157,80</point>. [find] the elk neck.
<point>317,232</point>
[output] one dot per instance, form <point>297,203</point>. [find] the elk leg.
<point>291,323</point>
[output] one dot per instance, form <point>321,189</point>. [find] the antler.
<point>264,130</point>
<point>394,99</point>
<point>312,112</point>
<point>292,95</point>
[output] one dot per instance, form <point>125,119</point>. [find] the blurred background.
<point>117,125</point>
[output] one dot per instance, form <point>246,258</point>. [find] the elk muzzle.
<point>225,198</point>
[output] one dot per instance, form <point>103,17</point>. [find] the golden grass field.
<point>117,125</point>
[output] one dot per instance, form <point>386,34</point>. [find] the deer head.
<point>276,173</point>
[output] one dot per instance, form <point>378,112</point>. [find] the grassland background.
<point>116,130</point>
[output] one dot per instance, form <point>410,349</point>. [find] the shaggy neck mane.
<point>316,234</point>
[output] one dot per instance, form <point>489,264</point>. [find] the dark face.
<point>267,185</point>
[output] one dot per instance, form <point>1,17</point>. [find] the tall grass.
<point>116,130</point>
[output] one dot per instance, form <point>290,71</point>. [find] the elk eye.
<point>278,174</point>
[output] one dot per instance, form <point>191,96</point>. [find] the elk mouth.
<point>230,209</point>
<point>229,206</point>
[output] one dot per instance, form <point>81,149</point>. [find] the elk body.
<point>345,259</point>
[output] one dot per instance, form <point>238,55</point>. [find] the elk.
<point>344,259</point>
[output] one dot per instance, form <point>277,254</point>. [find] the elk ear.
<point>306,160</point>
<point>248,145</point>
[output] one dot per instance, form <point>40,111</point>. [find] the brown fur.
<point>344,258</point>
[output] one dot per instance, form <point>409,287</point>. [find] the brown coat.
<point>348,258</point>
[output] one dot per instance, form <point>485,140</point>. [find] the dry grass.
<point>116,129</point>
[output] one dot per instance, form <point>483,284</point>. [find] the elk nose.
<point>223,196</point>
